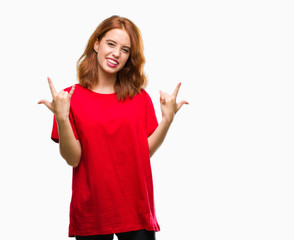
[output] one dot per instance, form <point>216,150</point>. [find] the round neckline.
<point>98,93</point>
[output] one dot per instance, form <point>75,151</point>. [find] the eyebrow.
<point>110,40</point>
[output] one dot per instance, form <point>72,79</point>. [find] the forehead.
<point>118,35</point>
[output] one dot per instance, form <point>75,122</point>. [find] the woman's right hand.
<point>60,104</point>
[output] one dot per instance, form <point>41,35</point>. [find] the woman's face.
<point>113,50</point>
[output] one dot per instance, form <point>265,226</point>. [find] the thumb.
<point>46,103</point>
<point>180,104</point>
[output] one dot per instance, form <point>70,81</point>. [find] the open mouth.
<point>111,62</point>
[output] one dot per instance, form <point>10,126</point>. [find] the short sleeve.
<point>55,135</point>
<point>151,120</point>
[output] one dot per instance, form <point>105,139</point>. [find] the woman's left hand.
<point>168,104</point>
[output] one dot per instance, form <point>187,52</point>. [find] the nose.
<point>116,52</point>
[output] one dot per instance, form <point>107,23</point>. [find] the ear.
<point>96,46</point>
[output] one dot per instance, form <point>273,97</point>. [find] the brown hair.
<point>130,79</point>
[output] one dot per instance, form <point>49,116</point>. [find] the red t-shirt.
<point>112,187</point>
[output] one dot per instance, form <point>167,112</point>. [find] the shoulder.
<point>141,96</point>
<point>145,97</point>
<point>77,86</point>
<point>79,94</point>
<point>144,93</point>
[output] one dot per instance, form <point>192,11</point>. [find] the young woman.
<point>107,130</point>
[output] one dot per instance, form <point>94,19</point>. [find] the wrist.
<point>168,120</point>
<point>62,119</point>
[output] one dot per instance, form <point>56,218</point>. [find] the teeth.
<point>111,61</point>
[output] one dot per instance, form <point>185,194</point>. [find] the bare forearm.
<point>169,107</point>
<point>70,148</point>
<point>158,136</point>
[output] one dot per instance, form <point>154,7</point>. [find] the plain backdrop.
<point>225,170</point>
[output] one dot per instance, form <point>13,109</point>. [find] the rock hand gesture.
<point>169,107</point>
<point>60,104</point>
<point>168,104</point>
<point>69,146</point>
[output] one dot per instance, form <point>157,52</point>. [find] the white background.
<point>225,170</point>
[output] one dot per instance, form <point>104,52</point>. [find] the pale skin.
<point>70,148</point>
<point>169,108</point>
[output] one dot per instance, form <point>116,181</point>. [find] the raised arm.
<point>169,107</point>
<point>69,147</point>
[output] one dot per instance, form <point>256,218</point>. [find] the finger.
<point>52,88</point>
<point>180,104</point>
<point>162,97</point>
<point>164,94</point>
<point>63,94</point>
<point>46,103</point>
<point>71,91</point>
<point>175,93</point>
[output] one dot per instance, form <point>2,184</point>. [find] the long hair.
<point>131,78</point>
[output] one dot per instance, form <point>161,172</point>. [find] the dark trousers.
<point>133,235</point>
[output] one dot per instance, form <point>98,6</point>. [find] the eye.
<point>110,44</point>
<point>125,50</point>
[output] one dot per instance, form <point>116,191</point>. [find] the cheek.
<point>100,55</point>
<point>123,63</point>
<point>102,51</point>
<point>125,59</point>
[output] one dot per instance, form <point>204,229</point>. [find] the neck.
<point>105,83</point>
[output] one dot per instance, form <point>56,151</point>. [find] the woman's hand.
<point>168,104</point>
<point>60,104</point>
<point>169,107</point>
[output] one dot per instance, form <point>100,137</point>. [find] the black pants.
<point>133,235</point>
